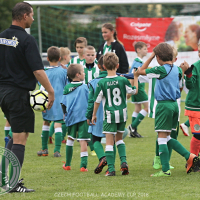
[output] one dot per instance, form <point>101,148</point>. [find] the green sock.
<point>177,130</point>
<point>84,160</point>
<point>174,136</point>
<point>187,123</point>
<point>164,157</point>
<point>64,131</point>
<point>90,143</point>
<point>178,147</point>
<point>133,118</point>
<point>110,160</point>
<point>98,148</point>
<point>122,152</point>
<point>157,148</point>
<point>45,136</point>
<point>69,153</point>
<point>10,133</point>
<point>139,118</point>
<point>51,130</point>
<point>114,149</point>
<point>6,130</point>
<point>58,140</point>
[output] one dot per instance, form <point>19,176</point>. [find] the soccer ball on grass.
<point>39,100</point>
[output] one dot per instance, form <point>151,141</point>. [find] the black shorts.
<point>15,103</point>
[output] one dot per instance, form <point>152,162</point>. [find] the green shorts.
<point>113,128</point>
<point>166,116</point>
<point>81,128</point>
<point>141,96</point>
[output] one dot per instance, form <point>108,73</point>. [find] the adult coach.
<point>112,44</point>
<point>20,66</point>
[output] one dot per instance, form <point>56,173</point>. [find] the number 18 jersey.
<point>112,90</point>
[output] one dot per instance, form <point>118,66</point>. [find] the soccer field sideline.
<point>46,176</point>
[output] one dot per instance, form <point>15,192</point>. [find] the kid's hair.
<point>175,52</point>
<point>111,28</point>
<point>63,52</point>
<point>164,51</point>
<point>80,40</point>
<point>89,48</point>
<point>139,45</point>
<point>100,62</point>
<point>110,60</point>
<point>74,69</point>
<point>53,53</point>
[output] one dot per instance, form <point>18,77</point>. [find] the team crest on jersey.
<point>8,42</point>
<point>196,127</point>
<point>96,74</point>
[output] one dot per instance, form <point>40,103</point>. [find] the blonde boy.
<point>112,90</point>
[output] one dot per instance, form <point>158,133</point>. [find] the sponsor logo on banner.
<point>140,26</point>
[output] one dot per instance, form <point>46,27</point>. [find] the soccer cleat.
<point>156,162</point>
<point>21,188</point>
<point>161,173</point>
<point>185,129</point>
<point>43,152</point>
<point>192,163</point>
<point>124,168</point>
<point>134,133</point>
<point>66,167</point>
<point>83,169</point>
<point>50,140</point>
<point>110,173</point>
<point>57,154</point>
<point>101,165</point>
<point>93,153</point>
<point>64,141</point>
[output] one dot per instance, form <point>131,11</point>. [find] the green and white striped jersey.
<point>90,73</point>
<point>107,48</point>
<point>77,60</point>
<point>112,90</point>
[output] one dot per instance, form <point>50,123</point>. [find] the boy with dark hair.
<point>80,43</point>
<point>58,78</point>
<point>113,90</point>
<point>141,98</point>
<point>167,91</point>
<point>74,103</point>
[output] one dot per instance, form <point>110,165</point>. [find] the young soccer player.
<point>192,104</point>
<point>152,107</point>
<point>112,90</point>
<point>74,103</point>
<point>58,79</point>
<point>90,67</point>
<point>166,92</point>
<point>80,44</point>
<point>65,58</point>
<point>141,98</point>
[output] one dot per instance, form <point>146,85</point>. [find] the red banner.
<point>149,30</point>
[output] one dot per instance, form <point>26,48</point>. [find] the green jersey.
<point>91,73</point>
<point>77,60</point>
<point>112,91</point>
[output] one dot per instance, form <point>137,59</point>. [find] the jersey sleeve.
<point>129,88</point>
<point>156,72</point>
<point>143,79</point>
<point>32,54</point>
<point>181,81</point>
<point>90,103</point>
<point>191,82</point>
<point>98,96</point>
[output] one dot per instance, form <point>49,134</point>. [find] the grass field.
<point>46,176</point>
